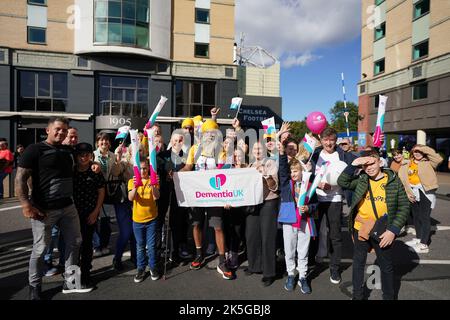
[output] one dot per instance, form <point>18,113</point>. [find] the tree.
<point>299,128</point>
<point>338,119</point>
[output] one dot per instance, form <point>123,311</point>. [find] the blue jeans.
<point>145,234</point>
<point>56,241</point>
<point>125,223</point>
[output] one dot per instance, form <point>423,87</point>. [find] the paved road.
<point>424,277</point>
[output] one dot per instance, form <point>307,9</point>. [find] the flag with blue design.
<point>269,125</point>
<point>309,143</point>
<point>235,103</point>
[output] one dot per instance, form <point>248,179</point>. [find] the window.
<point>122,22</point>
<point>420,50</point>
<point>378,67</point>
<point>2,56</point>
<point>378,2</point>
<point>421,8</point>
<point>195,98</point>
<point>420,91</point>
<point>36,35</point>
<point>202,50</point>
<point>376,100</point>
<point>39,2</point>
<point>42,91</point>
<point>380,31</point>
<point>123,96</point>
<point>201,15</point>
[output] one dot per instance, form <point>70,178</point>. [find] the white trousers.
<point>296,241</point>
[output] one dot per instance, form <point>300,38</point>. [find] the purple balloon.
<point>316,122</point>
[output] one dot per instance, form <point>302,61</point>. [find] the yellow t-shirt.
<point>413,173</point>
<point>144,206</point>
<point>365,209</point>
<point>190,158</point>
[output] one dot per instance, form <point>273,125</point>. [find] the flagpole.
<point>345,106</point>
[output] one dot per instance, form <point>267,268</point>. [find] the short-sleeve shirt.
<point>8,157</point>
<point>413,173</point>
<point>85,190</point>
<point>52,174</point>
<point>144,206</point>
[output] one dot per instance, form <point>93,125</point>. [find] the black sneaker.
<point>197,263</point>
<point>82,288</point>
<point>335,277</point>
<point>117,265</point>
<point>35,293</point>
<point>139,277</point>
<point>224,271</point>
<point>267,281</point>
<point>154,274</point>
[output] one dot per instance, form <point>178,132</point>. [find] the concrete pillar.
<point>421,137</point>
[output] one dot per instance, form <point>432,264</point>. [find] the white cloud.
<point>293,29</point>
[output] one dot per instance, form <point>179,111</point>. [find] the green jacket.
<point>396,199</point>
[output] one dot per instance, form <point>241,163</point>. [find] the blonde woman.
<point>419,178</point>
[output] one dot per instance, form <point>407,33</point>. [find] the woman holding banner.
<point>261,224</point>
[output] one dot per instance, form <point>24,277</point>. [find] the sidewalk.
<point>444,183</point>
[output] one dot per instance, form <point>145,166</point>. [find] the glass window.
<point>59,85</point>
<point>129,10</point>
<point>36,35</point>
<point>44,105</point>
<point>124,94</point>
<point>41,2</point>
<point>59,105</point>
<point>114,9</point>
<point>44,84</point>
<point>101,32</point>
<point>101,9</point>
<point>378,2</point>
<point>202,50</point>
<point>421,8</point>
<point>209,93</point>
<point>379,66</point>
<point>196,92</point>
<point>380,31</point>
<point>420,91</point>
<point>201,15</point>
<point>194,98</point>
<point>142,37</point>
<point>420,50</point>
<point>128,34</point>
<point>114,33</point>
<point>124,22</point>
<point>27,84</point>
<point>43,91</point>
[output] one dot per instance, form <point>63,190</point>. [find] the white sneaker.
<point>420,248</point>
<point>411,230</point>
<point>97,253</point>
<point>413,242</point>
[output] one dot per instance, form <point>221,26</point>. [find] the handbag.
<point>114,191</point>
<point>380,225</point>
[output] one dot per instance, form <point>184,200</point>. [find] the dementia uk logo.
<point>217,182</point>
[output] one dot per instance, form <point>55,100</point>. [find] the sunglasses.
<point>343,144</point>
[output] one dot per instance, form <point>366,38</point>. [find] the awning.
<point>32,114</point>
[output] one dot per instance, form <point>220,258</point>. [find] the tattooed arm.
<point>28,210</point>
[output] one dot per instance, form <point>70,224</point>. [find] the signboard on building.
<point>251,116</point>
<point>115,122</point>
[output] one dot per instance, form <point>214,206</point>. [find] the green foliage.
<point>299,128</point>
<point>337,120</point>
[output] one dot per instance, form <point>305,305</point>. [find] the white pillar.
<point>421,137</point>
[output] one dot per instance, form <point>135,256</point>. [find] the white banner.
<point>217,188</point>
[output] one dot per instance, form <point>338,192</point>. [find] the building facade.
<point>405,55</point>
<point>105,63</point>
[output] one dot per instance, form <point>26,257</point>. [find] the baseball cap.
<point>83,147</point>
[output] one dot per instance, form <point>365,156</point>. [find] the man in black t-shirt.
<point>50,164</point>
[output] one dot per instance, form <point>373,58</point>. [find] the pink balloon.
<point>316,122</point>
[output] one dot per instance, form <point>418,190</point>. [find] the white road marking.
<point>10,208</point>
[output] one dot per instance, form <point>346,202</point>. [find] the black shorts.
<point>214,214</point>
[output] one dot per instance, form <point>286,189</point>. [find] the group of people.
<point>71,184</point>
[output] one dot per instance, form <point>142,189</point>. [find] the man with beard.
<point>205,156</point>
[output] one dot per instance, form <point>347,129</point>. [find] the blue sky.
<point>315,40</point>
<point>317,85</point>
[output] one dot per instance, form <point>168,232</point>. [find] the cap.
<point>83,147</point>
<point>209,125</point>
<point>270,135</point>
<point>188,122</point>
<point>197,120</point>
